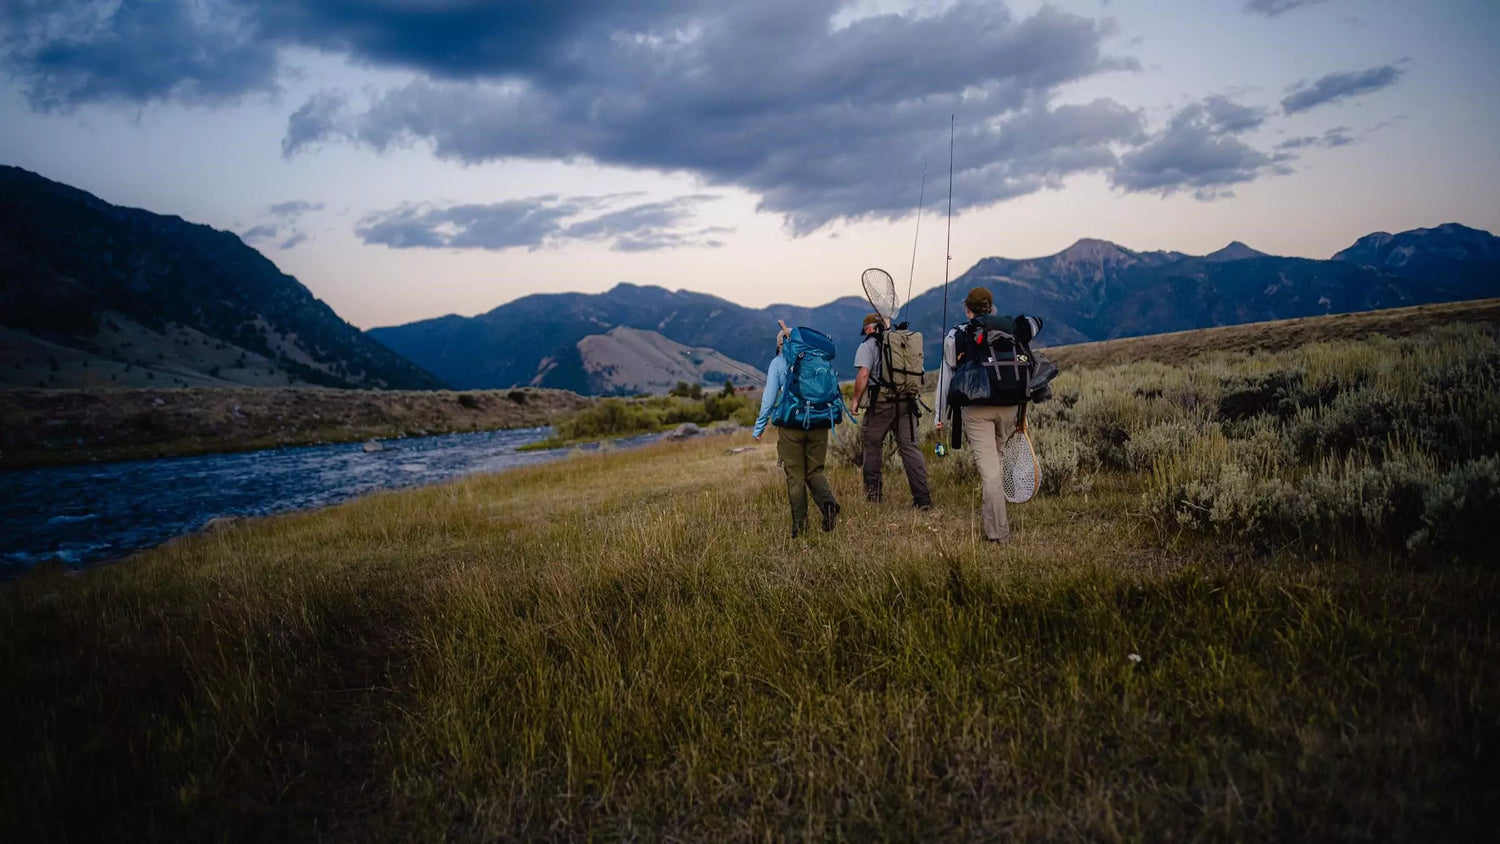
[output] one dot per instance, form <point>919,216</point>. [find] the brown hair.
<point>979,301</point>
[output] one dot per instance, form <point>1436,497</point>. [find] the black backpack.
<point>995,364</point>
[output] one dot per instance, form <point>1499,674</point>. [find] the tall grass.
<point>629,645</point>
<point>1380,443</point>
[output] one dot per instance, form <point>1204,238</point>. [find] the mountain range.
<point>94,294</point>
<point>1093,290</point>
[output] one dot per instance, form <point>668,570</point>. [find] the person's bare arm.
<point>861,379</point>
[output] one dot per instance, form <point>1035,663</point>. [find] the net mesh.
<point>880,289</point>
<point>1020,473</point>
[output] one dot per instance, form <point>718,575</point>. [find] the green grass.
<point>610,418</point>
<point>629,645</point>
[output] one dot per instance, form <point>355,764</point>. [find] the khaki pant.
<point>985,431</point>
<point>802,454</point>
<point>880,419</point>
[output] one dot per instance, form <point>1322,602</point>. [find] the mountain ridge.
<point>1092,290</point>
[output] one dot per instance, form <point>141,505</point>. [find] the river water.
<point>89,513</point>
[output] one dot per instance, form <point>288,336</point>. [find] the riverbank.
<point>53,427</point>
<point>629,645</point>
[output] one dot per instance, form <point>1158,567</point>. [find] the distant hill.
<point>92,294</point>
<point>629,360</point>
<point>1093,290</point>
<point>534,340</point>
<point>1179,347</point>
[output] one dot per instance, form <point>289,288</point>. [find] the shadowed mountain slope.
<point>92,294</point>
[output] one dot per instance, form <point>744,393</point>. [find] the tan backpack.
<point>901,363</point>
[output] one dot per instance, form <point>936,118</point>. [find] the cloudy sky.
<point>410,158</point>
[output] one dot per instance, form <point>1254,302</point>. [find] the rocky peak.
<point>1091,251</point>
<point>1235,251</point>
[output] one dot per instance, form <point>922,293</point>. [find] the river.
<point>89,513</point>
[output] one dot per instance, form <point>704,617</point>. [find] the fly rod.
<point>921,197</point>
<point>948,248</point>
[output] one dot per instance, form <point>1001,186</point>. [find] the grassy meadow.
<point>1254,602</point>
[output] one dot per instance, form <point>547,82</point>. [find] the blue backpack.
<point>810,398</point>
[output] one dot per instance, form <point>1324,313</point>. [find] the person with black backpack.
<point>988,375</point>
<point>803,401</point>
<point>889,363</point>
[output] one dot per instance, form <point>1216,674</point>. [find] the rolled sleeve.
<point>945,376</point>
<point>775,376</point>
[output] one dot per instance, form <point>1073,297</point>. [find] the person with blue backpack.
<point>803,401</point>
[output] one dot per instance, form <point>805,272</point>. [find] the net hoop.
<point>1021,474</point>
<point>880,290</point>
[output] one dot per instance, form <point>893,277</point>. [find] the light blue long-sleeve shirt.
<point>775,380</point>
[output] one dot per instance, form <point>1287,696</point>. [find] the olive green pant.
<point>802,454</point>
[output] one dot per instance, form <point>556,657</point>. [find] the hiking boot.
<point>830,515</point>
<point>924,506</point>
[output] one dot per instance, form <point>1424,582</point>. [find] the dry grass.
<point>629,645</point>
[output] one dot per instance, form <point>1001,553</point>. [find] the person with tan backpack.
<point>888,367</point>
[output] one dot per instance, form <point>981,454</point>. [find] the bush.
<point>1159,442</point>
<point>1067,464</point>
<point>1353,501</point>
<point>613,417</point>
<point>1460,511</point>
<point>1106,421</point>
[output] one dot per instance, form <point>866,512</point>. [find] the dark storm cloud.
<point>70,52</point>
<point>540,221</point>
<point>1198,152</point>
<point>312,121</point>
<point>772,98</point>
<point>821,115</point>
<point>1272,8</point>
<point>1338,86</point>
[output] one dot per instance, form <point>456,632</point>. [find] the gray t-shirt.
<point>868,356</point>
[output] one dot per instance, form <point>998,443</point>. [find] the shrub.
<point>1146,448</point>
<point>1352,501</point>
<point>1067,464</point>
<point>1106,421</point>
<point>1460,511</point>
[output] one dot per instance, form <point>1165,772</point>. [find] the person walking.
<point>985,422</point>
<point>801,436</point>
<point>887,412</point>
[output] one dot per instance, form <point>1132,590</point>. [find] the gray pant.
<point>879,420</point>
<point>985,431</point>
